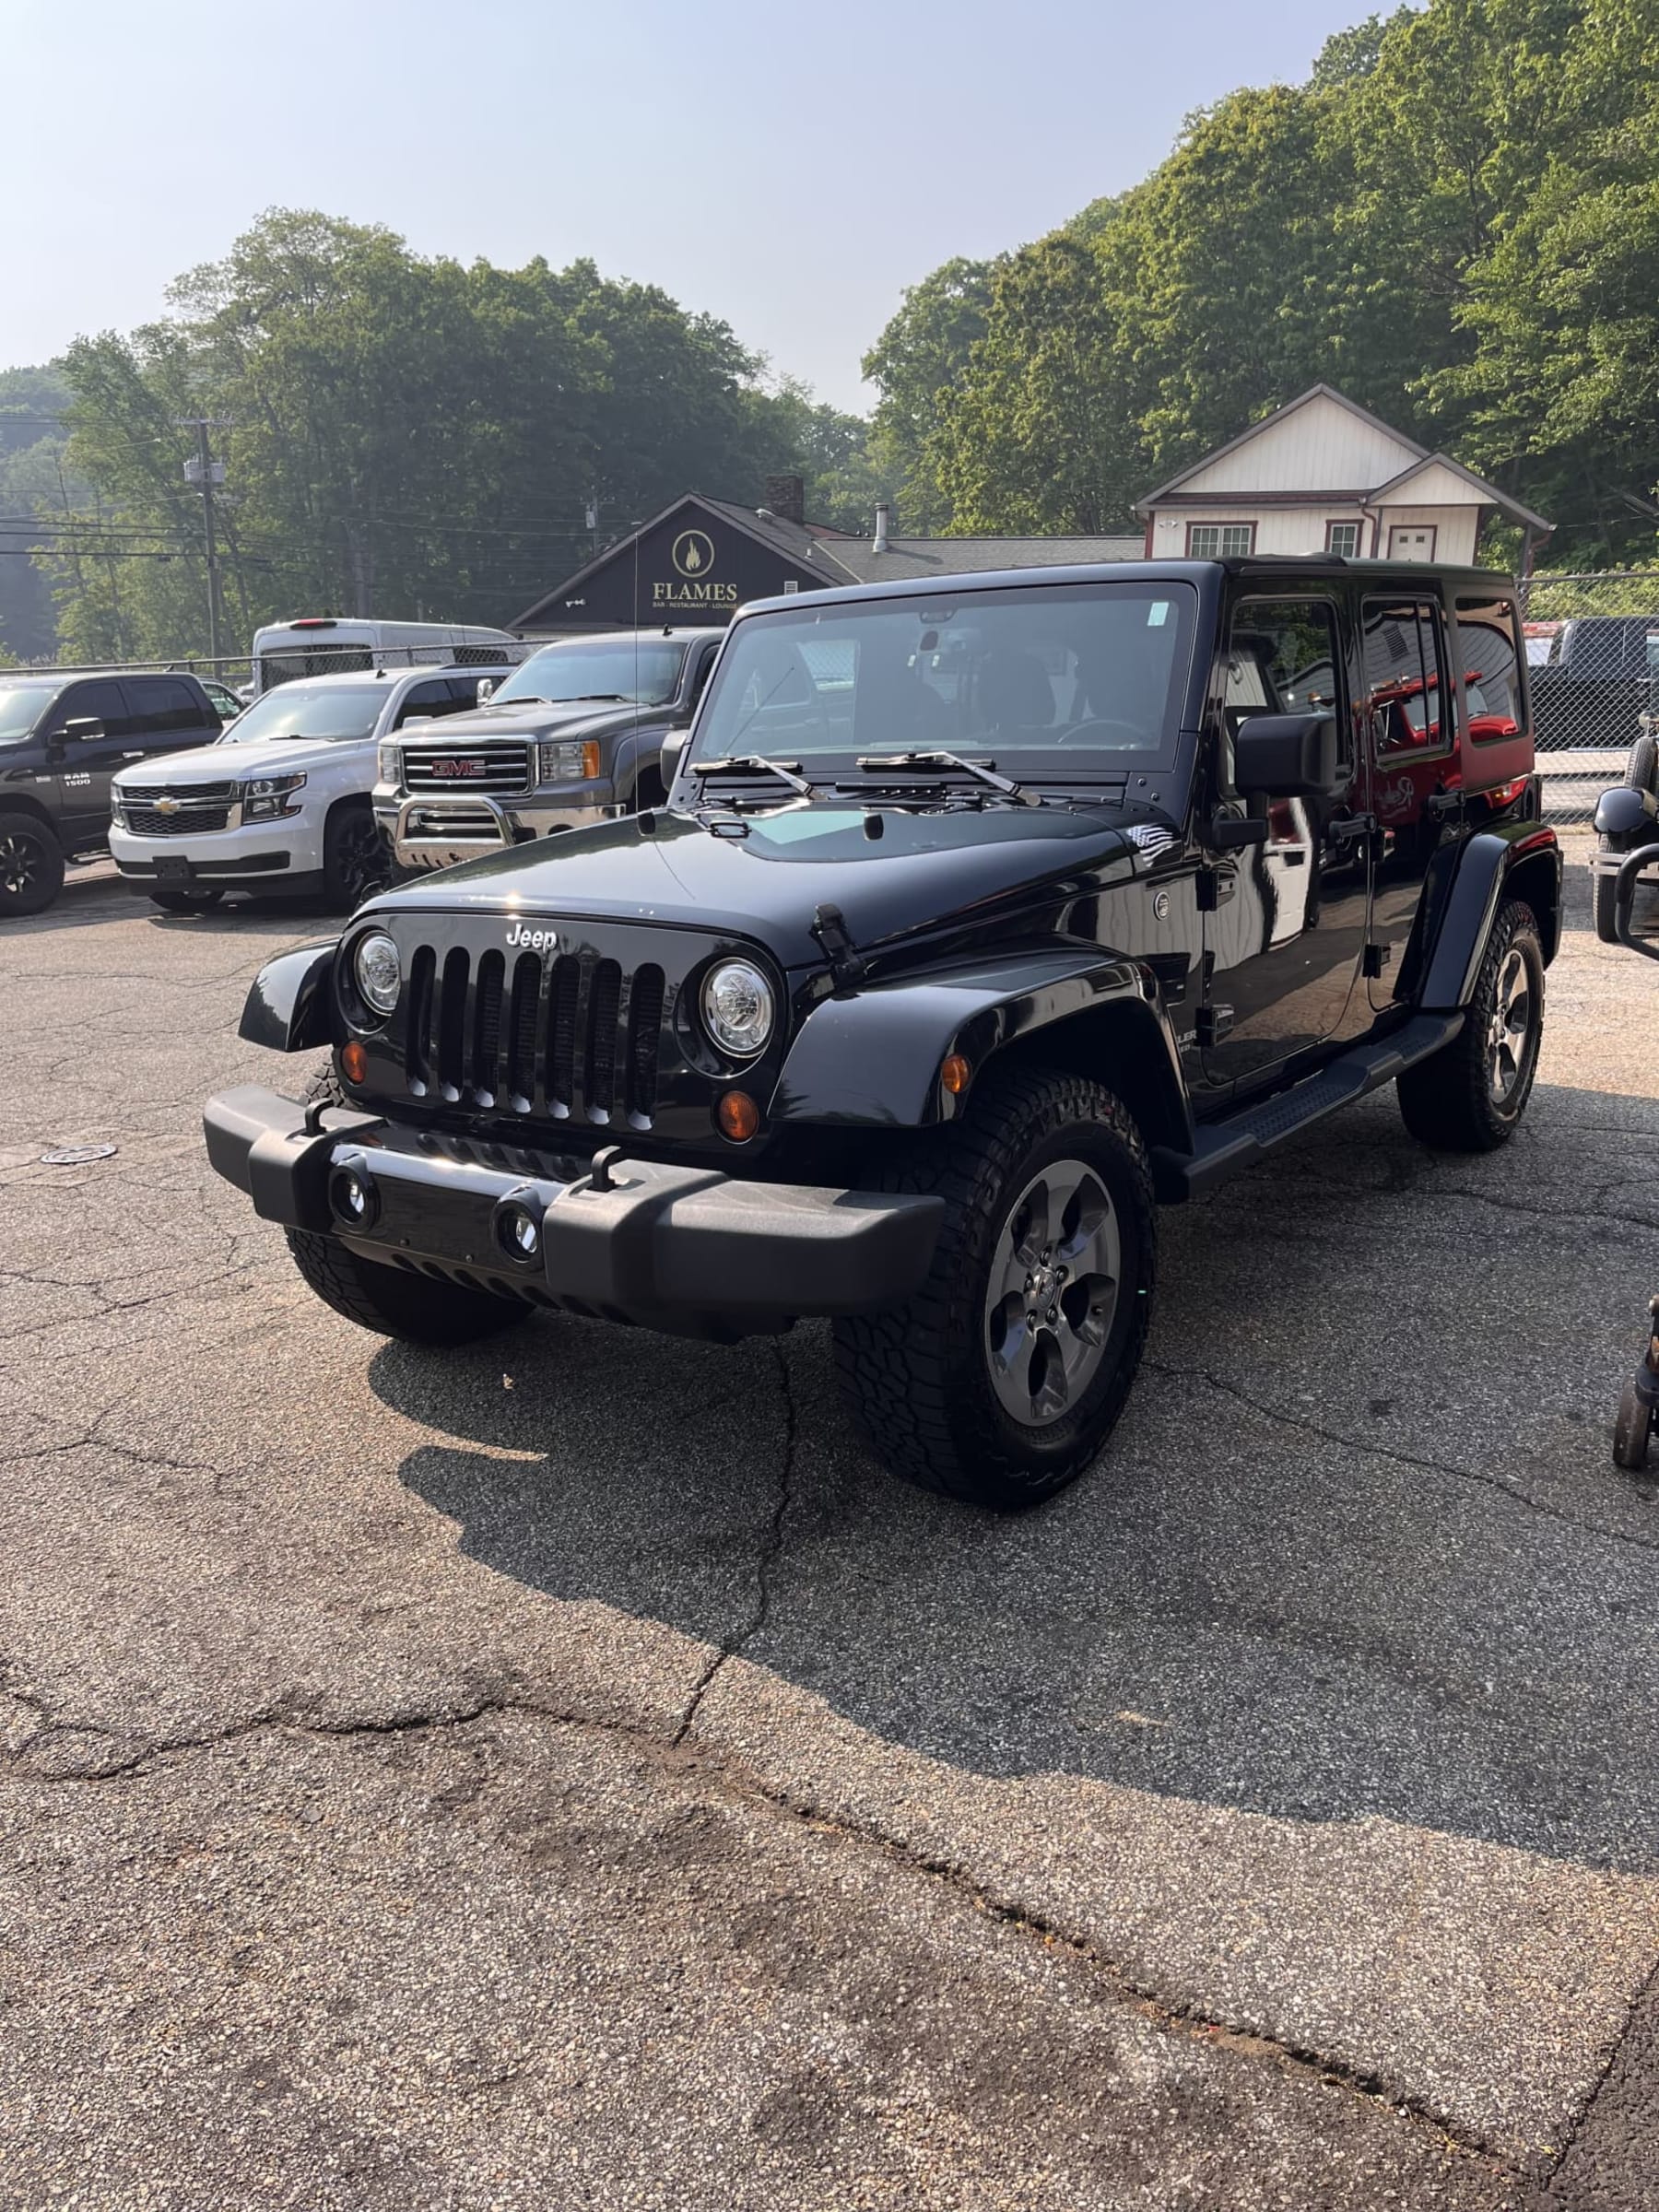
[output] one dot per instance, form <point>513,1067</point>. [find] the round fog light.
<point>352,1197</point>
<point>518,1231</point>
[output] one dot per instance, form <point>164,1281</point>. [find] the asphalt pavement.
<point>570,1771</point>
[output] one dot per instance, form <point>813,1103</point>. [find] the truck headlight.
<point>737,1008</point>
<point>566,760</point>
<point>379,971</point>
<point>267,796</point>
<point>389,765</point>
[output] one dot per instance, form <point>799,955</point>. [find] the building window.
<point>1344,538</point>
<point>1219,541</point>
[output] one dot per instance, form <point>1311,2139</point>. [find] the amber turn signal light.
<point>954,1073</point>
<point>354,1062</point>
<point>590,759</point>
<point>738,1116</point>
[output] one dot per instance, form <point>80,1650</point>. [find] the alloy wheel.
<point>1509,1032</point>
<point>19,864</point>
<point>1053,1293</point>
<point>362,855</point>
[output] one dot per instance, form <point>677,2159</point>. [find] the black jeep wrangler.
<point>982,914</point>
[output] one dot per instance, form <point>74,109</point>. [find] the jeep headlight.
<point>389,765</point>
<point>267,796</point>
<point>379,971</point>
<point>738,1008</point>
<point>566,760</point>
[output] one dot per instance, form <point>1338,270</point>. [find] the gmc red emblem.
<point>456,767</point>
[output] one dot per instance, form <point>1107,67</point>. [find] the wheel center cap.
<point>1045,1283</point>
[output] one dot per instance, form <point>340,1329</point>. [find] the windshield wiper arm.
<point>754,764</point>
<point>980,771</point>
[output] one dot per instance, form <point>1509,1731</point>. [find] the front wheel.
<point>410,1307</point>
<point>356,858</point>
<point>1000,1379</point>
<point>1470,1095</point>
<point>31,865</point>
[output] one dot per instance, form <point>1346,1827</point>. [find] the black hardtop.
<point>1206,576</point>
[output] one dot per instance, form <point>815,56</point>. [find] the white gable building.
<point>1323,476</point>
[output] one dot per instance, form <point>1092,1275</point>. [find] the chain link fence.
<point>1593,649</point>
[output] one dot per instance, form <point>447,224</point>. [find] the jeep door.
<point>82,766</point>
<point>1286,921</point>
<point>1409,709</point>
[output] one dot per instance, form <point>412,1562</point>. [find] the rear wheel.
<point>1632,1431</point>
<point>31,865</point>
<point>356,859</point>
<point>1002,1378</point>
<point>410,1307</point>
<point>1471,1094</point>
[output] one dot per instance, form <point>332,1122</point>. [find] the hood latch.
<point>835,942</point>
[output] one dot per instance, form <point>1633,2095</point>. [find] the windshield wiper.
<point>754,764</point>
<point>980,771</point>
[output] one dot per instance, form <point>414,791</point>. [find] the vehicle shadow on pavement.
<point>1357,1546</point>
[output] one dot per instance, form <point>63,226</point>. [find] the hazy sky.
<point>790,167</point>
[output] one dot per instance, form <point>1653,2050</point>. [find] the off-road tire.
<point>1640,773</point>
<point>1632,1431</point>
<point>412,1308</point>
<point>1446,1101</point>
<point>916,1376</point>
<point>349,830</point>
<point>185,902</point>
<point>30,855</point>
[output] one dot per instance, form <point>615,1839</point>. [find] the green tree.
<point>920,359</point>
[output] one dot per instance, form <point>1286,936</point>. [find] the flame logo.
<point>692,553</point>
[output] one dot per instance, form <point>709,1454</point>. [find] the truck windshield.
<point>1066,680</point>
<point>20,706</point>
<point>614,668</point>
<point>310,711</point>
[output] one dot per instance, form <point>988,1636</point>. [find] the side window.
<point>424,700</point>
<point>1405,680</point>
<point>1282,658</point>
<point>1488,660</point>
<point>104,700</point>
<point>168,708</point>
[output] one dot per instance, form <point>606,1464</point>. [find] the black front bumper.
<point>688,1249</point>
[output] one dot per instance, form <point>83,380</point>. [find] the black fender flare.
<point>871,1057</point>
<point>289,1006</point>
<point>1521,859</point>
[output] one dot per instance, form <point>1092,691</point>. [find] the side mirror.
<point>674,746</point>
<point>1285,757</point>
<point>82,728</point>
<point>486,684</point>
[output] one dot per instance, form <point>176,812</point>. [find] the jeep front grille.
<point>496,771</point>
<point>570,1035</point>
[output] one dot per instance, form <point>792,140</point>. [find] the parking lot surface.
<point>568,1772</point>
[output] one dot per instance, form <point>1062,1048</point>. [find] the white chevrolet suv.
<point>280,803</point>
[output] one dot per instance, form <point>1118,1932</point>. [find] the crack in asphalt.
<point>770,1545</point>
<point>1582,2117</point>
<point>1403,1459</point>
<point>739,1784</point>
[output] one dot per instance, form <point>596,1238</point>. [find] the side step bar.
<point>1240,1140</point>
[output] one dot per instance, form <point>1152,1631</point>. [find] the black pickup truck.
<point>62,737</point>
<point>983,914</point>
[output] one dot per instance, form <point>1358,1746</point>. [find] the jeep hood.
<point>927,870</point>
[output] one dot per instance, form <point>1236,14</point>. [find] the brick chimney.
<point>783,495</point>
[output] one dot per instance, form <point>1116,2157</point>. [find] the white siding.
<point>1278,529</point>
<point>1455,528</point>
<point>1319,446</point>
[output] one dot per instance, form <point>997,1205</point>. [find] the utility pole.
<point>205,473</point>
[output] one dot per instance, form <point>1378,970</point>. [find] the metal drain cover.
<point>76,1155</point>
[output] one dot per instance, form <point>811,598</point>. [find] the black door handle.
<point>1352,828</point>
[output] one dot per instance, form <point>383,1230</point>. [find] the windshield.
<point>1088,675</point>
<point>616,668</point>
<point>20,706</point>
<point>340,710</point>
